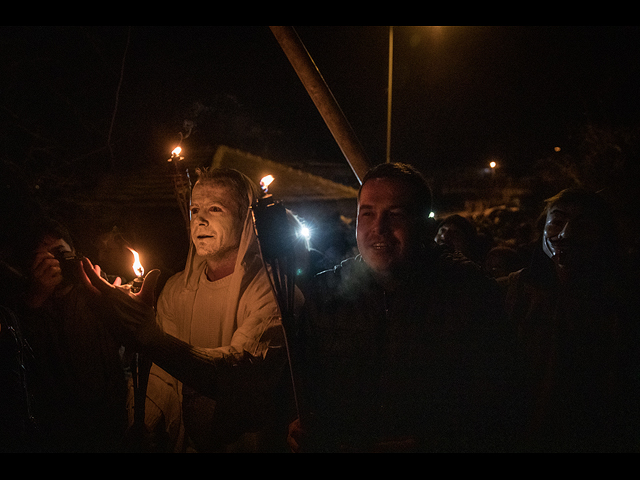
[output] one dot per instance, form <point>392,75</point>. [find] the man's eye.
<point>194,211</point>
<point>215,209</point>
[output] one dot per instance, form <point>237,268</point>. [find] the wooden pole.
<point>323,99</point>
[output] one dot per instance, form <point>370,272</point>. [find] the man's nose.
<point>200,219</point>
<point>381,223</point>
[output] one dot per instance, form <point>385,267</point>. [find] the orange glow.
<point>176,151</point>
<point>265,182</point>
<point>137,266</point>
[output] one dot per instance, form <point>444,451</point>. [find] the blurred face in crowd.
<point>450,234</point>
<point>387,230</point>
<point>571,236</point>
<point>216,221</point>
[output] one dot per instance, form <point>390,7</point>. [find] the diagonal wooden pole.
<point>323,99</point>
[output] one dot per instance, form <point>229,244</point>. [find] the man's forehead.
<point>211,189</point>
<point>387,191</point>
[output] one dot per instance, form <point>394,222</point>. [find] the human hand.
<point>131,315</point>
<point>46,275</point>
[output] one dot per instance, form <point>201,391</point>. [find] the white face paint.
<point>216,225</point>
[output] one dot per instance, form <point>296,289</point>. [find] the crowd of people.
<point>430,338</point>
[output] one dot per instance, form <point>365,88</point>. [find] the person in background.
<point>500,261</point>
<point>576,313</point>
<point>460,235</point>
<point>78,381</point>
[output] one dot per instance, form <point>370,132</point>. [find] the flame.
<point>176,151</point>
<point>265,182</point>
<point>137,266</point>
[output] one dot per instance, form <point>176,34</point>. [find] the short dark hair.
<point>244,189</point>
<point>41,228</point>
<point>406,173</point>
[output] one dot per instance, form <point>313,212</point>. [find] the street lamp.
<point>389,95</point>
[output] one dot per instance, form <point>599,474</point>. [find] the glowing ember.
<point>265,182</point>
<point>137,266</point>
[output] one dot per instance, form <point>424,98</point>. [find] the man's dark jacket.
<point>426,366</point>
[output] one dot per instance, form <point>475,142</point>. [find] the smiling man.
<point>401,348</point>
<point>391,225</point>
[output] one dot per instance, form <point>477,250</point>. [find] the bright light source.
<point>137,266</point>
<point>176,151</point>
<point>432,214</point>
<point>265,182</point>
<point>493,164</point>
<point>305,232</point>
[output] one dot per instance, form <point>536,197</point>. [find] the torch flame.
<point>175,154</point>
<point>137,266</point>
<point>265,182</point>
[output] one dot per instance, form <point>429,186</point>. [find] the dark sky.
<point>462,95</point>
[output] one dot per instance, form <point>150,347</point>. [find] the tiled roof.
<point>154,186</point>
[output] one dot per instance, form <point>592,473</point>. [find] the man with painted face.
<point>222,342</point>
<point>575,314</point>
<point>402,347</point>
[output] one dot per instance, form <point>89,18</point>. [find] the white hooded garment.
<point>250,327</point>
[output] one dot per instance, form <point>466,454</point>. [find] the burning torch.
<point>181,183</point>
<point>276,237</point>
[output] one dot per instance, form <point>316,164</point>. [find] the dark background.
<point>461,94</point>
<point>81,102</point>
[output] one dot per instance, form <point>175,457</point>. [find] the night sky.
<point>119,96</point>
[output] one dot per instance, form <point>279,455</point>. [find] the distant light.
<point>493,164</point>
<point>557,149</point>
<point>432,214</point>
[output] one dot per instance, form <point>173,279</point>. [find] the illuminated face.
<point>216,225</point>
<point>387,232</point>
<point>571,237</point>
